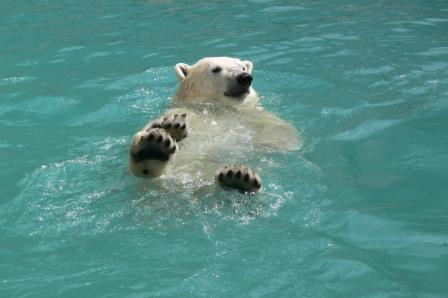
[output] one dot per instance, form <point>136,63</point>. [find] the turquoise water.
<point>359,211</point>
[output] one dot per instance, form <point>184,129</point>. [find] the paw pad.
<point>154,144</point>
<point>240,177</point>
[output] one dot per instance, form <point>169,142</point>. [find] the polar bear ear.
<point>249,66</point>
<point>181,70</point>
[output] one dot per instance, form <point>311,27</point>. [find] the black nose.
<point>244,79</point>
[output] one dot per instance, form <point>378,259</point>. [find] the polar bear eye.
<point>217,69</point>
<point>244,69</point>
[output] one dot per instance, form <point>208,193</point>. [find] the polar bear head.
<point>215,78</point>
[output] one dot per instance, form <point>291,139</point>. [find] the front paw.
<point>151,152</point>
<point>153,144</point>
<point>176,125</point>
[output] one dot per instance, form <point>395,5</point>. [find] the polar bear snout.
<point>239,87</point>
<point>244,79</point>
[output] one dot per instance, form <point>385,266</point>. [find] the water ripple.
<point>365,129</point>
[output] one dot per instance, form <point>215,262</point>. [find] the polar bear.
<point>215,119</point>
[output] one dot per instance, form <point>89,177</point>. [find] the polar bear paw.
<point>176,125</point>
<point>151,151</point>
<point>240,177</point>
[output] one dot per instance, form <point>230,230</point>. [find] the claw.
<point>246,177</point>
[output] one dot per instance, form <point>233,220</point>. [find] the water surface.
<point>359,211</point>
